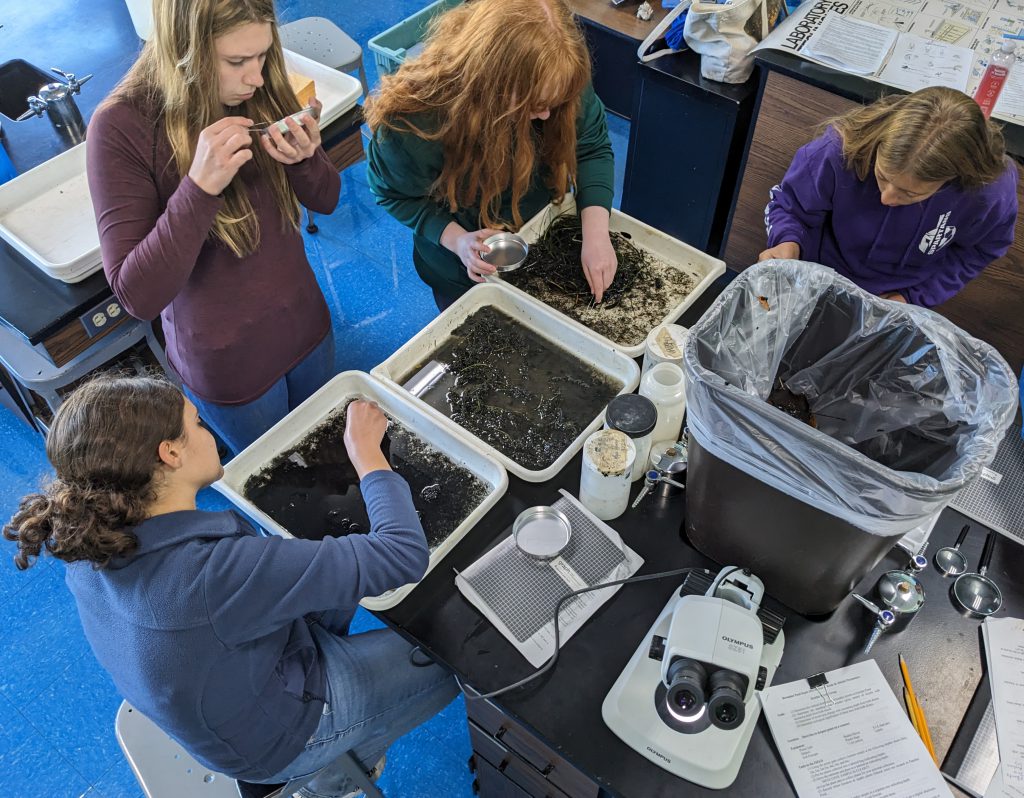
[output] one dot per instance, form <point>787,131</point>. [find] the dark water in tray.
<point>312,490</point>
<point>513,389</point>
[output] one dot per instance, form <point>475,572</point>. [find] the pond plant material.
<point>312,489</point>
<point>639,299</point>
<point>513,389</point>
<point>793,404</point>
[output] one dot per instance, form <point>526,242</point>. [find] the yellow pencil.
<point>916,712</point>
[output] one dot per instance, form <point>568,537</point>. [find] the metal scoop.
<point>974,593</point>
<point>949,560</point>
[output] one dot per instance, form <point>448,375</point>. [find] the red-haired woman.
<point>494,120</point>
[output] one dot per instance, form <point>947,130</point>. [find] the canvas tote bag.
<point>724,34</point>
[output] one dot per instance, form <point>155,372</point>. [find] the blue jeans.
<point>240,425</point>
<point>374,695</point>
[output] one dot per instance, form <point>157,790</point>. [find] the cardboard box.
<point>304,88</point>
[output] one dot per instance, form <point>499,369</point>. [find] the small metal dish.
<point>541,533</point>
<point>508,251</point>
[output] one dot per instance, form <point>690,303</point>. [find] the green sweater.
<point>402,167</point>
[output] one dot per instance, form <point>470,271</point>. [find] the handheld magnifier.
<point>974,593</point>
<point>949,560</point>
<point>541,533</point>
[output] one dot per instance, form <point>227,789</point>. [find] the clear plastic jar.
<point>664,345</point>
<point>664,385</point>
<point>636,416</point>
<point>608,457</point>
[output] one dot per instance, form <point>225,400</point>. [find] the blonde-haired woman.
<point>494,120</point>
<point>198,217</point>
<point>910,197</point>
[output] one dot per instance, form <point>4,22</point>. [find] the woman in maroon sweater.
<point>198,217</point>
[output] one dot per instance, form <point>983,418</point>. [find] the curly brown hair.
<point>935,135</point>
<point>103,444</point>
<point>486,66</point>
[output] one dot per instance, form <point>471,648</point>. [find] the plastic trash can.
<point>908,409</point>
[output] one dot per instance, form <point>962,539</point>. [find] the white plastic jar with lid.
<point>636,416</point>
<point>664,345</point>
<point>664,385</point>
<point>608,457</point>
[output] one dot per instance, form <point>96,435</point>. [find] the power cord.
<point>475,696</point>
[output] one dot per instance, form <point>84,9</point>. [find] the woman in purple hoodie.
<point>910,197</point>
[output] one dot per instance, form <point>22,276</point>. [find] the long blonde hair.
<point>176,75</point>
<point>934,135</point>
<point>486,66</point>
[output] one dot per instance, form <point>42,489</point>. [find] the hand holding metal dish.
<point>508,251</point>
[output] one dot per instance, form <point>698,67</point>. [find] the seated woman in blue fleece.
<point>910,197</point>
<point>234,643</point>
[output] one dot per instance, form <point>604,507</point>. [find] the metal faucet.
<point>57,101</point>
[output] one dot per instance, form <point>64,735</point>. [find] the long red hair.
<point>486,67</point>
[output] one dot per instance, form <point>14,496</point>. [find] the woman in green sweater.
<point>495,119</point>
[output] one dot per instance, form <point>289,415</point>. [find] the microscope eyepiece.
<point>686,694</point>
<point>726,703</point>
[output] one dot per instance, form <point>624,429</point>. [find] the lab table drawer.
<point>521,742</point>
<point>500,773</point>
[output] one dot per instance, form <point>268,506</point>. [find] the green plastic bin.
<point>390,47</point>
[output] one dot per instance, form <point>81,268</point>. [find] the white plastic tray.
<point>442,435</point>
<point>46,214</point>
<point>556,328</point>
<point>338,91</point>
<point>671,251</point>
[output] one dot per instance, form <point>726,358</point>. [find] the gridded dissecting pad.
<point>524,592</point>
<point>998,501</point>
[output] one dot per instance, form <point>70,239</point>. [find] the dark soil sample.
<point>638,300</point>
<point>791,403</point>
<point>312,490</point>
<point>512,388</point>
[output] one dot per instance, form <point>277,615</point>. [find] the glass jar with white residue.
<point>608,457</point>
<point>636,416</point>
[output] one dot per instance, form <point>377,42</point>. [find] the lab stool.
<point>37,374</point>
<point>166,770</point>
<point>320,40</point>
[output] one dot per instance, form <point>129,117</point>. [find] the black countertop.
<point>685,67</point>
<point>858,89</point>
<point>563,708</point>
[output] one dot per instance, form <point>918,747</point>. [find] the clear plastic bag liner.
<point>908,406</point>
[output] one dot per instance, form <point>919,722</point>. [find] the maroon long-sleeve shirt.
<point>234,326</point>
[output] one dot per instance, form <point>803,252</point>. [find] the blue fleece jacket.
<point>204,628</point>
<point>927,251</point>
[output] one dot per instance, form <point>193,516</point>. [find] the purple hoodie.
<point>927,251</point>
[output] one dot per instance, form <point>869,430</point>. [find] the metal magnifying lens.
<point>949,560</point>
<point>974,593</point>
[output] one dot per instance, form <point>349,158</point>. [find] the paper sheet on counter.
<point>851,44</point>
<point>1004,653</point>
<point>849,738</point>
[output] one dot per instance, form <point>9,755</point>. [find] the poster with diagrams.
<point>939,42</point>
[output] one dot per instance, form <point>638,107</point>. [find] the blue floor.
<point>57,706</point>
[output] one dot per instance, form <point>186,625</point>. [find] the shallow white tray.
<point>338,91</point>
<point>46,214</point>
<point>556,328</point>
<point>670,251</point>
<point>444,436</point>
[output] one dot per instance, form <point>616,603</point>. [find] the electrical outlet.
<point>100,318</point>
